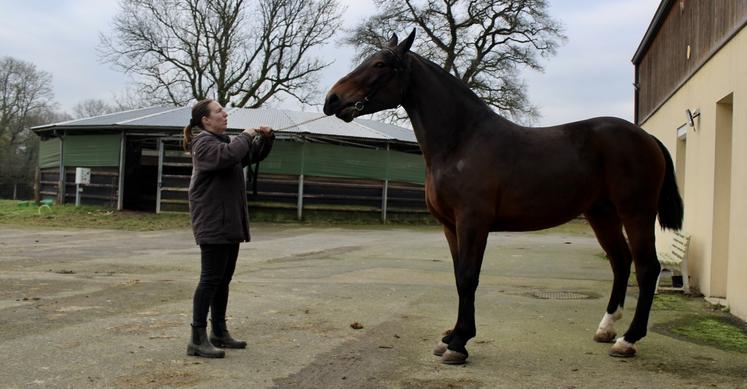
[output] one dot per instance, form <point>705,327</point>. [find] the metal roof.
<point>159,118</point>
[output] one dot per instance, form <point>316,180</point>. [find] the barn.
<point>136,162</point>
<point>691,79</point>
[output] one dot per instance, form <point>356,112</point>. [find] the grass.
<point>26,213</point>
<point>712,330</point>
<point>19,213</point>
<point>700,323</point>
<point>670,302</point>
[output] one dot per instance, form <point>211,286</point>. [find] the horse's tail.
<point>671,210</point>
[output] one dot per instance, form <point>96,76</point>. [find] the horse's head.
<point>376,84</point>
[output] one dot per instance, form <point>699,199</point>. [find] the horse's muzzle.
<point>332,104</point>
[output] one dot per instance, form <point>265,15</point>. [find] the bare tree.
<point>25,101</point>
<point>482,42</point>
<point>237,52</point>
<point>124,101</point>
<point>92,107</point>
<point>25,93</point>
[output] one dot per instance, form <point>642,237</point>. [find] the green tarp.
<point>81,150</point>
<point>49,153</point>
<point>341,161</point>
<point>92,150</point>
<point>287,157</point>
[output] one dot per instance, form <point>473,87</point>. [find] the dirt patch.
<point>146,326</point>
<point>53,311</point>
<point>362,362</point>
<point>319,254</point>
<point>162,375</point>
<point>446,383</point>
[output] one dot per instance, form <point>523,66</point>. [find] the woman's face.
<point>217,120</point>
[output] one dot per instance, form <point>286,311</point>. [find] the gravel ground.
<point>102,308</point>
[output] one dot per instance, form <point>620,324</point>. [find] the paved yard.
<point>101,308</point>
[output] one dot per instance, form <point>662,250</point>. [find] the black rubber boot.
<point>200,346</point>
<point>220,337</point>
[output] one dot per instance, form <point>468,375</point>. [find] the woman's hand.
<point>251,132</point>
<point>265,131</point>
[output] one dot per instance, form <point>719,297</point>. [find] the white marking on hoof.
<point>623,349</point>
<point>606,332</point>
<point>452,357</point>
<point>440,348</point>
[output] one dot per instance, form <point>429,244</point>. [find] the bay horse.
<point>485,173</point>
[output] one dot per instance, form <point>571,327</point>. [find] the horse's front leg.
<point>471,241</point>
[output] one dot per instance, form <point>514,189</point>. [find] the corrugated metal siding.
<point>701,25</point>
<point>92,150</point>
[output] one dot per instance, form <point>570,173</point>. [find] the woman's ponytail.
<point>187,139</point>
<point>199,110</point>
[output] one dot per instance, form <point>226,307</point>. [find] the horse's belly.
<point>516,215</point>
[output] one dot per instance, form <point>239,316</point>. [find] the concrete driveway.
<point>102,308</point>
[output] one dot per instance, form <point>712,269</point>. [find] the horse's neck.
<point>442,110</point>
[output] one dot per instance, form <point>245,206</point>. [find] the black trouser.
<point>218,264</point>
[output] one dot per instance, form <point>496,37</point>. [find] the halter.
<point>360,105</point>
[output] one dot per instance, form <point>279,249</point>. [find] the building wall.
<point>712,165</point>
<point>688,35</point>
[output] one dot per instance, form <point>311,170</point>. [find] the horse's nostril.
<point>332,103</point>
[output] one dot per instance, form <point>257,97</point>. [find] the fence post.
<point>61,180</point>
<point>37,183</point>
<point>160,175</point>
<point>120,178</point>
<point>384,198</point>
<point>299,205</point>
<point>385,190</point>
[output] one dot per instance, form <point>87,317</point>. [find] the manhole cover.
<point>561,295</point>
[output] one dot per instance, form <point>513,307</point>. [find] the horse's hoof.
<point>440,348</point>
<point>622,349</point>
<point>451,357</point>
<point>603,336</point>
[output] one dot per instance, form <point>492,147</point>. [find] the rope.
<point>300,124</point>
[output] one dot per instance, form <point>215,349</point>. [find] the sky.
<point>591,75</point>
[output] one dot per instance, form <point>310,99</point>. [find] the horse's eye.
<point>379,65</point>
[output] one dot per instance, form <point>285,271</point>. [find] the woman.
<point>220,219</point>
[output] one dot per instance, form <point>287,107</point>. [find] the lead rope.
<point>300,124</point>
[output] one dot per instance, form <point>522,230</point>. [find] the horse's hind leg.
<point>640,230</point>
<point>608,229</point>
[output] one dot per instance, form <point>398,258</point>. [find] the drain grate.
<point>560,295</point>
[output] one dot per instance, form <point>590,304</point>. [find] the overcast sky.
<point>590,76</point>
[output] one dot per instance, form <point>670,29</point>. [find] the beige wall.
<point>714,157</point>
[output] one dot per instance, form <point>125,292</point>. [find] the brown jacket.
<point>217,191</point>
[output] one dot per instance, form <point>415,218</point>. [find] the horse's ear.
<point>392,41</point>
<point>407,43</point>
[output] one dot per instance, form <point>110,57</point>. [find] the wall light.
<point>691,115</point>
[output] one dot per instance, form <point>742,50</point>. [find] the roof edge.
<point>51,125</point>
<point>652,30</point>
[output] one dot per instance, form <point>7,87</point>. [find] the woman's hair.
<point>199,110</point>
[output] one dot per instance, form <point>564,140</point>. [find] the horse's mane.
<point>456,85</point>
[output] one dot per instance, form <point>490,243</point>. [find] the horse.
<point>485,173</point>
